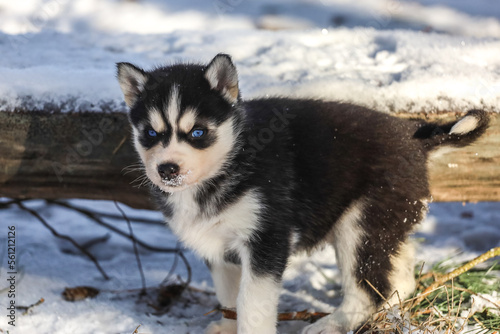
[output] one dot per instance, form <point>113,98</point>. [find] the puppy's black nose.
<point>168,171</point>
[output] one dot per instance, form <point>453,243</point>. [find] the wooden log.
<point>82,155</point>
<point>68,155</point>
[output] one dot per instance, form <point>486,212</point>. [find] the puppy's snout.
<point>168,170</point>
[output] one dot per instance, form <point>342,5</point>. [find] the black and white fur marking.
<point>245,184</point>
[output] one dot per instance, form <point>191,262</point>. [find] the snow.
<point>482,301</point>
<point>47,265</point>
<point>432,56</point>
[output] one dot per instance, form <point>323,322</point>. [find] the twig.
<point>81,292</point>
<point>287,316</point>
<point>104,214</point>
<point>457,272</point>
<point>376,290</point>
<point>136,251</point>
<point>188,267</point>
<point>119,145</point>
<point>65,237</point>
<point>6,204</point>
<point>457,315</point>
<point>470,292</point>
<point>172,268</point>
<point>28,308</point>
<point>206,292</point>
<point>136,330</point>
<point>99,221</point>
<point>92,216</point>
<point>479,322</point>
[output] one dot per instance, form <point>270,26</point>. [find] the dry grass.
<point>445,302</point>
<point>456,305</point>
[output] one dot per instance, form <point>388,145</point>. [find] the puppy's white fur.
<point>465,125</point>
<point>173,108</point>
<point>156,120</point>
<point>212,237</point>
<point>357,305</point>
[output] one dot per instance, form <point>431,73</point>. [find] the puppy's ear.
<point>132,81</point>
<point>223,77</point>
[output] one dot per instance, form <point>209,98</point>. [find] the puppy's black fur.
<point>310,162</point>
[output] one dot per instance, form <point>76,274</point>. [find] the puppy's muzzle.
<point>168,171</point>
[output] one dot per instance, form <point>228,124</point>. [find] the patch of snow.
<point>485,301</point>
<point>59,55</point>
<point>47,266</point>
<point>176,181</point>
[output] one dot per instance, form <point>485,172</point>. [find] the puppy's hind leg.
<point>358,305</point>
<point>402,277</point>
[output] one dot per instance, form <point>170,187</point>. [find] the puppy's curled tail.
<point>455,134</point>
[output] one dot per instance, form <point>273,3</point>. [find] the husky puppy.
<point>246,184</point>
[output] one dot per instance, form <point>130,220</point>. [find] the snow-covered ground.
<point>393,55</point>
<point>47,265</point>
<point>443,55</point>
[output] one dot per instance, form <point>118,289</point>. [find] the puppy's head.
<point>183,118</point>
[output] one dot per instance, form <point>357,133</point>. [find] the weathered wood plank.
<point>78,155</point>
<point>82,155</point>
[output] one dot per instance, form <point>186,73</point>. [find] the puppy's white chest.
<point>211,237</point>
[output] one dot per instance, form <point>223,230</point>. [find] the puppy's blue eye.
<point>152,133</point>
<point>197,133</point>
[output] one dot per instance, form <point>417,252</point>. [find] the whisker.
<point>145,181</point>
<point>134,170</point>
<point>140,178</point>
<point>132,167</point>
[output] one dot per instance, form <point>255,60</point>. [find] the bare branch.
<point>99,221</point>
<point>106,214</point>
<point>287,316</point>
<point>65,237</point>
<point>457,272</point>
<point>26,309</point>
<point>136,251</point>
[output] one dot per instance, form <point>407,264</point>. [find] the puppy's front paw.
<point>223,326</point>
<point>323,326</point>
